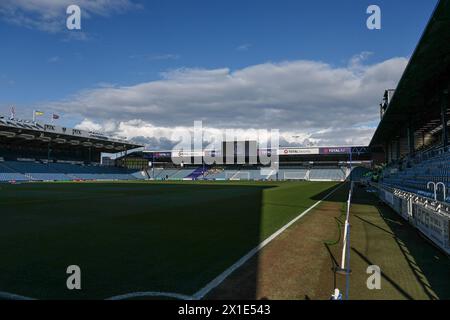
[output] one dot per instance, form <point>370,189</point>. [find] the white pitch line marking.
<point>220,278</point>
<point>151,294</point>
<point>12,296</point>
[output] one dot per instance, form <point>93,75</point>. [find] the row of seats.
<point>327,174</point>
<point>336,174</point>
<point>416,177</point>
<point>38,171</point>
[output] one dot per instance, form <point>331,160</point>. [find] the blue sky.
<point>138,42</point>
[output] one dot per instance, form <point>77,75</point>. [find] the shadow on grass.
<point>387,278</point>
<point>334,247</point>
<point>430,266</point>
<point>125,237</point>
<point>236,286</point>
<point>170,237</point>
<point>321,195</point>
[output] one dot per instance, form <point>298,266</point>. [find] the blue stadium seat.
<point>416,176</point>
<point>38,171</point>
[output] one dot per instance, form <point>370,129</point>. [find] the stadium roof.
<point>17,131</point>
<point>428,69</point>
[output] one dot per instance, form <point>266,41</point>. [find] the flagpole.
<point>34,115</point>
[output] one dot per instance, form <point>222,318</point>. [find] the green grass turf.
<point>128,237</point>
<point>412,268</point>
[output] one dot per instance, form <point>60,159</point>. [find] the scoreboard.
<point>240,152</point>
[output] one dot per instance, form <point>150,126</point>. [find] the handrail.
<point>441,207</point>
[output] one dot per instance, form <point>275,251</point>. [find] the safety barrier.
<point>430,217</point>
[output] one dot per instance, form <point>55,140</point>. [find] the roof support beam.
<point>411,142</point>
<point>444,118</point>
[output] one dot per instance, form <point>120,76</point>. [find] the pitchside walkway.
<point>300,263</point>
<point>411,267</point>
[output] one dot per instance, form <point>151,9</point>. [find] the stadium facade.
<point>33,151</point>
<point>311,163</point>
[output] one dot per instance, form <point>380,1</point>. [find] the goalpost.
<point>237,175</point>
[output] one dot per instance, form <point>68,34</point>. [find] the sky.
<point>311,69</point>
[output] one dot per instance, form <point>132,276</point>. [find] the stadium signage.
<point>182,154</point>
<point>39,128</point>
<point>162,154</point>
<point>337,150</point>
<point>297,151</point>
<point>235,149</point>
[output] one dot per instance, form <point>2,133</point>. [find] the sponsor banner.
<point>162,154</point>
<point>337,150</point>
<point>297,151</point>
<point>184,154</point>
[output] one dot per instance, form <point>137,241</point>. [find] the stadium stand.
<point>32,151</point>
<point>414,175</point>
<point>247,173</point>
<point>295,163</point>
<point>196,174</point>
<point>215,174</point>
<point>413,171</point>
<point>9,174</point>
<point>181,174</point>
<point>293,174</point>
<point>35,171</point>
<point>327,174</point>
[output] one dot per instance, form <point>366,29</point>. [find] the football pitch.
<point>171,237</point>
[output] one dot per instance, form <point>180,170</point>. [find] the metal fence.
<point>430,217</point>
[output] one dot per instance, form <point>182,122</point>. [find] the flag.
<point>37,113</point>
<point>13,113</point>
<point>55,117</point>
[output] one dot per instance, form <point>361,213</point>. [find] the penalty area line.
<point>220,278</point>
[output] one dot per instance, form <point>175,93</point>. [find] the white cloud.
<point>50,15</point>
<point>158,137</point>
<point>313,100</point>
<point>156,57</point>
<point>357,61</point>
<point>244,47</point>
